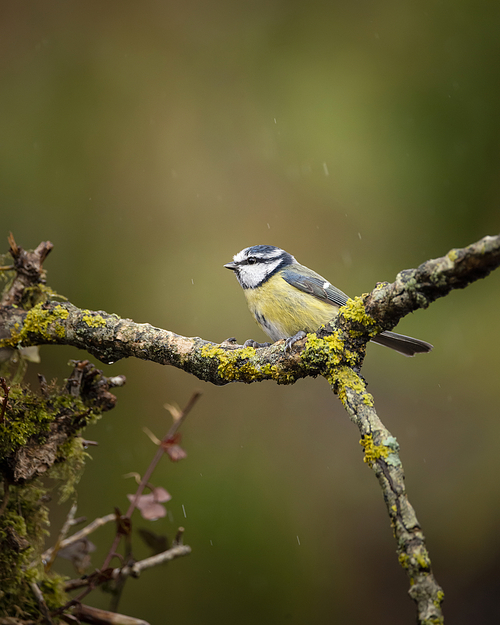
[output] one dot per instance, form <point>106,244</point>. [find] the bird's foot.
<point>293,339</point>
<point>254,344</point>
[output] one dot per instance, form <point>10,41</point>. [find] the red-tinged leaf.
<point>176,453</point>
<point>153,512</point>
<point>161,495</point>
<point>150,505</point>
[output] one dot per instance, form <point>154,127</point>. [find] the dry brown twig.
<point>124,527</point>
<point>29,271</point>
<point>96,616</point>
<point>135,569</point>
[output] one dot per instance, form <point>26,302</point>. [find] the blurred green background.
<point>150,141</point>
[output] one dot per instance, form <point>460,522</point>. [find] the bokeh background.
<point>150,141</point>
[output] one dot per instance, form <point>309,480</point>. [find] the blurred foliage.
<point>152,141</point>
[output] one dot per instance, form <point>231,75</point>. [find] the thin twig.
<point>41,603</point>
<point>62,535</point>
<point>145,479</point>
<point>178,537</point>
<point>160,558</point>
<point>134,570</point>
<point>96,616</point>
<point>178,421</point>
<point>149,471</point>
<point>91,527</point>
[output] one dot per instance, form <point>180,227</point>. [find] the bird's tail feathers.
<point>405,345</point>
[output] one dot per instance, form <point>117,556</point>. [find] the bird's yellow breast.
<point>281,310</point>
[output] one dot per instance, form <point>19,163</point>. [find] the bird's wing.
<point>310,282</point>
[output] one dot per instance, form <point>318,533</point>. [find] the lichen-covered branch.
<point>38,427</point>
<point>335,352</point>
<point>417,288</point>
<point>39,437</point>
<point>382,456</point>
<point>110,338</point>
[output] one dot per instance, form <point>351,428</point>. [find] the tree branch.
<point>417,288</point>
<point>336,352</point>
<point>110,338</point>
<point>382,456</point>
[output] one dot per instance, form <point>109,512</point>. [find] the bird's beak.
<point>232,266</point>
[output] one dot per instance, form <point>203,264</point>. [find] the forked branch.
<point>335,352</point>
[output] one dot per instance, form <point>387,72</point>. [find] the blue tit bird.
<point>289,300</point>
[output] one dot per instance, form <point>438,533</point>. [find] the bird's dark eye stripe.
<point>251,260</point>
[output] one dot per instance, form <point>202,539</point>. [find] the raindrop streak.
<point>184,510</point>
<point>298,540</point>
<point>325,169</point>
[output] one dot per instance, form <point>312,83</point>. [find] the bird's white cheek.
<point>250,276</point>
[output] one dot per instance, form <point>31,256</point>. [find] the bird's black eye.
<point>251,260</point>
